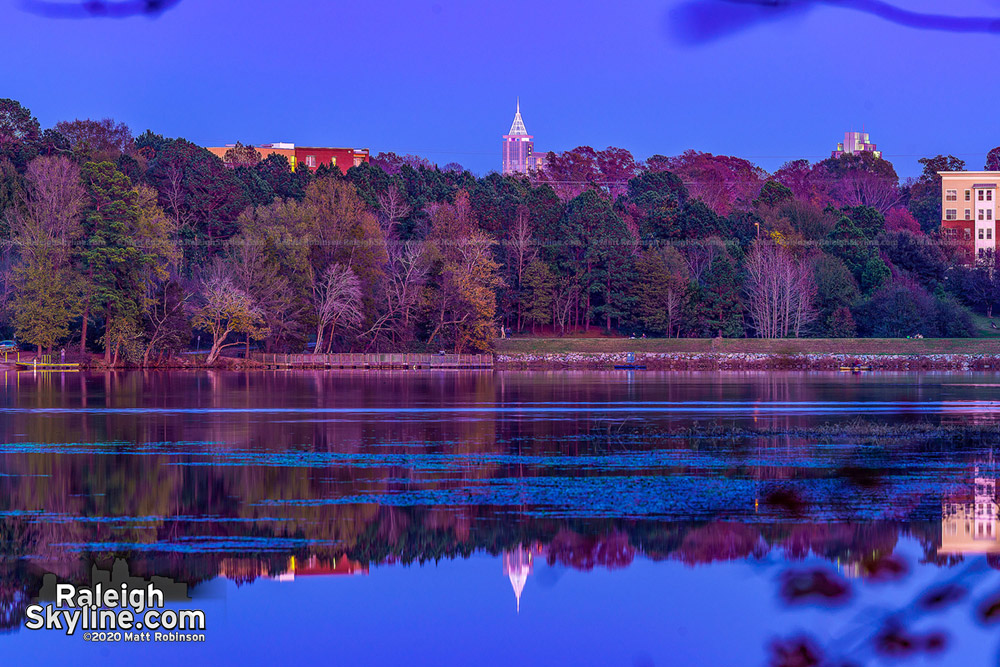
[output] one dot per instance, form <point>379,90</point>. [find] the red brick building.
<point>343,158</point>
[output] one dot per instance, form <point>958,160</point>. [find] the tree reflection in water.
<point>969,516</point>
<point>294,475</point>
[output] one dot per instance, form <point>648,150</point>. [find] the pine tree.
<point>596,256</point>
<point>538,286</point>
<point>111,259</point>
<point>660,289</point>
<point>716,308</point>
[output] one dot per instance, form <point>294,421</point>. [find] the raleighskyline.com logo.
<point>116,607</point>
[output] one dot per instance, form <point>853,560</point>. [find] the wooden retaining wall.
<point>374,361</point>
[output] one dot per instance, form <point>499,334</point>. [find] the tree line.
<point>135,245</point>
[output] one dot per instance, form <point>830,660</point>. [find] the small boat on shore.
<point>630,364</point>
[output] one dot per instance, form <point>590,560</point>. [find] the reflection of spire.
<point>517,565</point>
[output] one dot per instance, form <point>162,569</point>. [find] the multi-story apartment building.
<point>969,209</point>
<point>310,156</point>
<point>855,143</point>
<point>970,527</point>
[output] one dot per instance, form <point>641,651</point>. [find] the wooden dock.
<point>389,361</point>
<point>44,363</point>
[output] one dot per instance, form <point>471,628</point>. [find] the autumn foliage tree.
<point>97,140</point>
<point>724,183</point>
<point>44,224</point>
<point>48,212</point>
<point>464,303</point>
<point>398,254</point>
<point>571,172</point>
<point>860,180</point>
<point>241,155</point>
<point>46,300</point>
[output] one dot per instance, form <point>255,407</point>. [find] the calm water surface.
<point>500,518</point>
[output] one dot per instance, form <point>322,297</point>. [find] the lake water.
<point>498,518</point>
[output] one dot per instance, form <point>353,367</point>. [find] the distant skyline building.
<point>855,143</point>
<point>518,147</point>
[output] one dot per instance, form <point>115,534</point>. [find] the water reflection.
<point>294,478</point>
<point>969,520</point>
<point>247,570</point>
<point>517,565</point>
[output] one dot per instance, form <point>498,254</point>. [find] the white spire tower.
<point>517,127</point>
<point>517,146</point>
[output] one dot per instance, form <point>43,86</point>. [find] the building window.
<point>980,234</point>
<point>951,214</point>
<point>968,195</point>
<point>951,195</point>
<point>358,161</point>
<point>981,214</point>
<point>989,232</point>
<point>968,234</point>
<point>310,161</point>
<point>968,214</point>
<point>980,195</point>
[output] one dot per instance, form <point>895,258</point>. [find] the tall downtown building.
<point>855,143</point>
<point>518,147</point>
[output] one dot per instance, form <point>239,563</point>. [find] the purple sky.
<point>440,78</point>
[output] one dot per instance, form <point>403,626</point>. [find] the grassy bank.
<point>793,346</point>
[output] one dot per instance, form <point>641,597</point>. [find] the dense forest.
<point>136,246</point>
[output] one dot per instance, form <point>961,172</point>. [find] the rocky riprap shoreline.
<point>746,361</point>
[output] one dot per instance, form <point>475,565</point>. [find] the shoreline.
<point>722,361</point>
<point>584,361</point>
